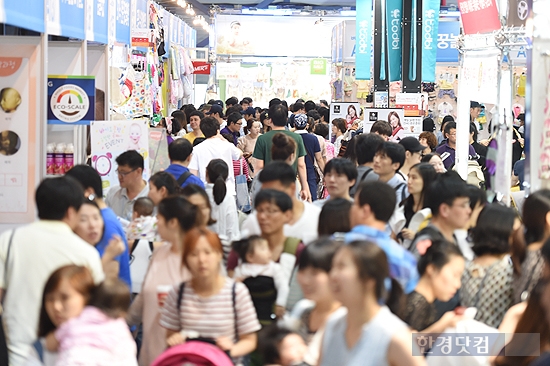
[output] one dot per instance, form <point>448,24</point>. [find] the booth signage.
<point>479,16</point>
<point>430,26</point>
<point>66,18</point>
<point>318,66</point>
<point>363,39</point>
<point>27,14</point>
<point>71,99</point>
<point>97,21</point>
<point>123,21</point>
<point>201,67</point>
<point>518,12</point>
<point>394,10</point>
<point>448,33</point>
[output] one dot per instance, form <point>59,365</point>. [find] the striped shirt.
<point>213,316</point>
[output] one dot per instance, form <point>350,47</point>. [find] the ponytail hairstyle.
<point>217,172</point>
<point>372,263</point>
<point>165,180</point>
<point>283,146</point>
<point>438,253</point>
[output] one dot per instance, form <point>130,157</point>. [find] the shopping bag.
<point>243,195</point>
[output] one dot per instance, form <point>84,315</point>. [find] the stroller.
<point>193,353</point>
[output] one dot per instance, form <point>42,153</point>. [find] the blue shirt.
<point>450,161</point>
<point>177,170</point>
<point>112,227</point>
<point>402,262</point>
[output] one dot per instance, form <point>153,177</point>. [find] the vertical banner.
<point>479,16</point>
<point>71,99</point>
<point>109,139</point>
<point>71,17</point>
<point>122,33</point>
<point>363,39</point>
<point>27,14</point>
<point>430,28</point>
<point>17,120</point>
<point>394,11</point>
<point>98,21</point>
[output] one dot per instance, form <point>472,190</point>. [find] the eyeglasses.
<point>123,174</point>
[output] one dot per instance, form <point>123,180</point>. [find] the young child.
<point>266,280</point>
<point>281,346</point>
<point>142,234</point>
<point>100,333</point>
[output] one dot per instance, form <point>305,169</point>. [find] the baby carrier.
<point>193,353</point>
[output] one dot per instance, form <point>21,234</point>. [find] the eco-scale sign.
<point>71,99</point>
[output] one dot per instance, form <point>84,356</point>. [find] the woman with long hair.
<point>419,179</point>
<point>398,132</point>
<point>175,217</point>
<point>213,306</point>
<point>338,130</point>
<point>352,116</point>
<point>368,333</point>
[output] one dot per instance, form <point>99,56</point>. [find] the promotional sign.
<point>318,66</point>
<point>394,10</point>
<point>480,75</point>
<point>393,115</point>
<point>348,111</point>
<point>479,16</point>
<point>201,67</point>
<point>412,126</point>
<point>123,21</point>
<point>448,32</point>
<point>518,12</point>
<point>139,25</point>
<point>27,14</point>
<point>414,104</point>
<point>109,139</point>
<point>71,99</point>
<point>97,26</point>
<point>381,99</point>
<point>66,18</point>
<point>17,125</point>
<point>430,26</point>
<point>363,39</point>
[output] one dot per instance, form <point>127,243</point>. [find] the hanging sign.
<point>97,26</point>
<point>66,18</point>
<point>479,16</point>
<point>139,26</point>
<point>394,10</point>
<point>363,36</point>
<point>27,14</point>
<point>430,26</point>
<point>518,12</point>
<point>71,99</point>
<point>318,66</point>
<point>448,32</point>
<point>122,33</point>
<point>201,67</point>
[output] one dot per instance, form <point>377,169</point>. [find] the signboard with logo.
<point>28,14</point>
<point>479,16</point>
<point>71,99</point>
<point>414,104</point>
<point>363,39</point>
<point>394,10</point>
<point>518,12</point>
<point>393,115</point>
<point>430,26</point>
<point>201,67</point>
<point>448,32</point>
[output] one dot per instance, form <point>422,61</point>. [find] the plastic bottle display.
<point>50,162</point>
<point>68,157</point>
<point>59,159</point>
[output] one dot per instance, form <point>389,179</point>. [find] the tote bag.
<point>243,196</point>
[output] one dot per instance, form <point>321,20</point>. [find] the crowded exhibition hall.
<point>275,182</point>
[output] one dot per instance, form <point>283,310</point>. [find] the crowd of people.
<point>265,242</point>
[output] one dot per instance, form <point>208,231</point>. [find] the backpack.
<point>475,174</point>
<point>359,181</point>
<point>403,191</point>
<point>183,178</point>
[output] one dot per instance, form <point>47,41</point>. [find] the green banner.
<point>319,66</point>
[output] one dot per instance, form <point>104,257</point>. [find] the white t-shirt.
<point>305,228</point>
<point>215,148</point>
<point>225,214</point>
<point>37,250</point>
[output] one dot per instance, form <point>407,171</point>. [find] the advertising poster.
<point>17,124</point>
<point>109,139</point>
<point>412,126</point>
<point>381,99</point>
<point>71,99</point>
<point>414,104</point>
<point>394,116</point>
<point>348,111</point>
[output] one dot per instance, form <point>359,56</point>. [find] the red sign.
<point>479,16</point>
<point>201,67</point>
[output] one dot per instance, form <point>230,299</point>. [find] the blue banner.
<point>71,99</point>
<point>446,41</point>
<point>363,36</point>
<point>430,25</point>
<point>100,21</point>
<point>394,11</point>
<point>122,34</point>
<point>71,18</point>
<point>28,14</point>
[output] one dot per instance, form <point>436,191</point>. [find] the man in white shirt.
<point>131,186</point>
<point>280,176</point>
<point>35,252</point>
<point>214,147</point>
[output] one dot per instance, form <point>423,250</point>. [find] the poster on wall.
<point>348,111</point>
<point>109,139</point>
<point>71,99</point>
<point>17,125</point>
<point>414,104</point>
<point>394,116</point>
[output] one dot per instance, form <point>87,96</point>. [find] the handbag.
<point>3,340</point>
<point>243,195</point>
